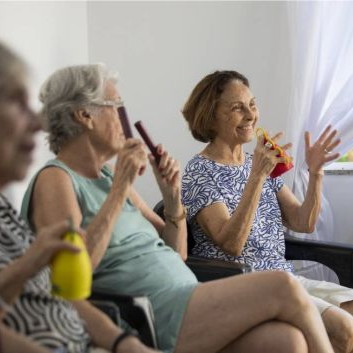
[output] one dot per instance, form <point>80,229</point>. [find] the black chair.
<point>110,308</point>
<point>136,311</point>
<point>336,256</point>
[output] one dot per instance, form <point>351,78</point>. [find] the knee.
<point>340,330</point>
<point>339,326</point>
<point>292,293</point>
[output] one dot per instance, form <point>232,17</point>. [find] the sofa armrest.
<point>337,256</point>
<point>134,310</point>
<point>210,269</point>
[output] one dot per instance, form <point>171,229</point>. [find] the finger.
<point>331,157</point>
<point>172,171</point>
<point>65,245</point>
<point>333,145</point>
<point>133,142</point>
<point>175,177</point>
<point>139,148</point>
<point>277,136</point>
<point>163,161</point>
<point>153,163</point>
<point>283,160</point>
<point>287,146</point>
<point>168,168</point>
<point>270,152</point>
<point>160,149</point>
<point>260,141</point>
<point>307,139</point>
<point>171,179</point>
<point>324,134</point>
<point>329,139</point>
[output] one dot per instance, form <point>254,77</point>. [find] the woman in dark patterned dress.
<point>236,210</point>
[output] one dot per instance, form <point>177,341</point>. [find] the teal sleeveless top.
<point>137,261</point>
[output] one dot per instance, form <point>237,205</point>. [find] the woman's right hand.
<point>265,159</point>
<point>47,243</point>
<point>132,159</point>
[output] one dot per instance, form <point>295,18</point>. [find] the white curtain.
<point>321,38</point>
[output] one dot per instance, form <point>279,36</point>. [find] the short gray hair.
<point>66,91</point>
<point>11,66</point>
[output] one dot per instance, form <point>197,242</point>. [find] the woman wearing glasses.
<point>135,251</point>
<point>51,324</point>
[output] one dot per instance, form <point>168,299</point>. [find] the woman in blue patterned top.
<point>236,210</point>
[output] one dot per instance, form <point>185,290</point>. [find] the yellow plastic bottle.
<point>71,273</point>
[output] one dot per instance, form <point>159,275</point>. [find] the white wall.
<point>162,49</point>
<point>49,35</point>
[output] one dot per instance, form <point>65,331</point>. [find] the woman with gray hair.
<point>133,250</point>
<point>26,304</point>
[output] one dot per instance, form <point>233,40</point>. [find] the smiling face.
<point>18,127</point>
<point>236,114</point>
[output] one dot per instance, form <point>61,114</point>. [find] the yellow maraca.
<point>71,273</point>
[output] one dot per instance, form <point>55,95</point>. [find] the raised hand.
<point>265,159</point>
<point>132,162</point>
<point>167,173</point>
<point>320,152</point>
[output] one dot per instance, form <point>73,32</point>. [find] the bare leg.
<point>348,306</point>
<point>226,309</point>
<point>339,326</point>
<point>269,337</point>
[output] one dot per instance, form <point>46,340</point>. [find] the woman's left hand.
<point>167,173</point>
<point>320,152</point>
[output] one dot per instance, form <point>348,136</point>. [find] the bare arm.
<point>303,217</point>
<point>167,174</point>
<point>12,342</point>
<point>54,199</point>
<point>230,233</point>
<point>103,331</point>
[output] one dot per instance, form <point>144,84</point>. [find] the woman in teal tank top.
<point>134,251</point>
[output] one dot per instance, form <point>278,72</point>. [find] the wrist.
<point>318,173</point>
<point>175,218</point>
<point>128,345</point>
<point>257,177</point>
<point>124,341</point>
<point>28,265</point>
<point>171,194</point>
<point>121,190</point>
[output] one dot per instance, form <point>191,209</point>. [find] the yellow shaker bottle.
<point>71,273</point>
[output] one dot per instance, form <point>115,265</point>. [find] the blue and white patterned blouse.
<point>206,182</point>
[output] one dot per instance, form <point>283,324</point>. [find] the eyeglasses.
<point>108,103</point>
